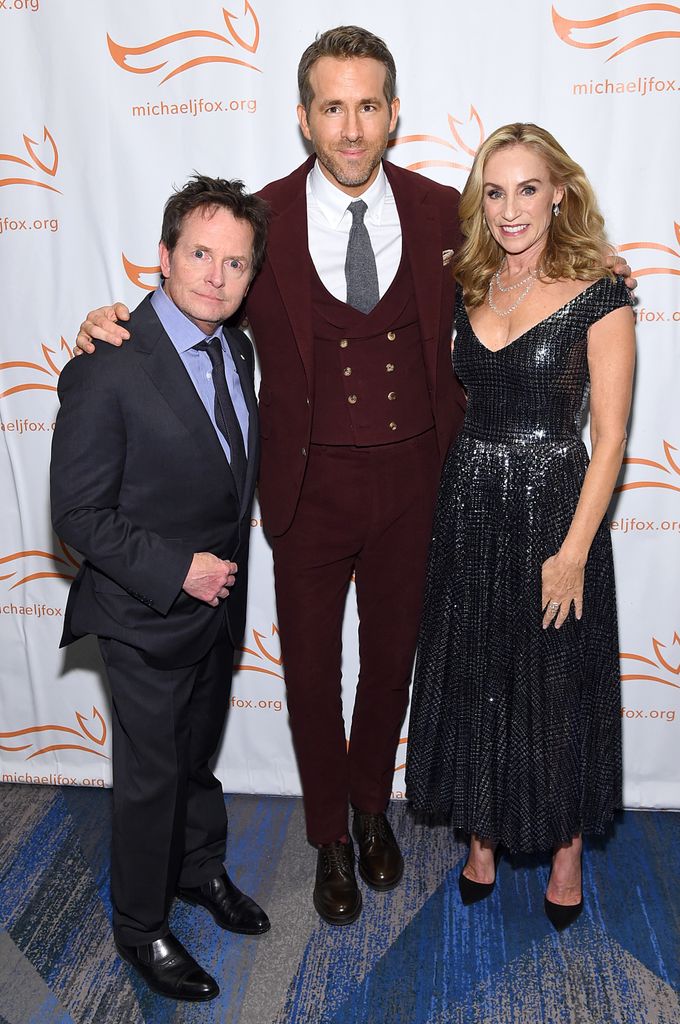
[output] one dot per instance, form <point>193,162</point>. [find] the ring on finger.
<point>553,606</point>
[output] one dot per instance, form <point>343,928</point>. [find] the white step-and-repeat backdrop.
<point>107,105</point>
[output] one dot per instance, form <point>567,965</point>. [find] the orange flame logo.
<point>68,562</point>
<point>660,663</point>
<point>270,664</point>
<point>48,367</point>
<point>248,40</point>
<point>657,247</point>
<point>476,129</point>
<point>402,742</point>
<point>672,467</point>
<point>47,163</point>
<point>135,272</point>
<point>95,732</point>
<point>565,26</point>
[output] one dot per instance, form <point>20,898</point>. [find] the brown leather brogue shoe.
<point>168,969</point>
<point>336,894</point>
<point>381,864</point>
<point>230,907</point>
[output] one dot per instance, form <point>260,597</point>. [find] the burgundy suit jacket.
<point>279,308</point>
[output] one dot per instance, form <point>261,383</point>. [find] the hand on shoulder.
<point>101,324</point>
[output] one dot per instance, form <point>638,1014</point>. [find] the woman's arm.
<point>611,360</point>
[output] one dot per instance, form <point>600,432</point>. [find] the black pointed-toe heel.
<point>560,916</point>
<point>474,892</point>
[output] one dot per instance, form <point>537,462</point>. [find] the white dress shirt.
<point>329,222</point>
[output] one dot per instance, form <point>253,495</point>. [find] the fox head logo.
<point>463,149</point>
<point>666,659</point>
<point>90,736</point>
<point>136,273</point>
<point>669,482</point>
<point>642,247</point>
<point>620,28</point>
<point>43,156</point>
<point>48,368</point>
<point>49,566</point>
<point>243,34</point>
<point>260,657</point>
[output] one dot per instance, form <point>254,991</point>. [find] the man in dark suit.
<point>358,406</point>
<point>160,509</point>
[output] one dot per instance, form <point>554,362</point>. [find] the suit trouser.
<point>169,818</point>
<point>366,511</point>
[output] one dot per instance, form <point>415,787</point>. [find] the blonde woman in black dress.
<point>515,719</point>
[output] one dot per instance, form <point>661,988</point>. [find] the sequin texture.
<point>515,731</point>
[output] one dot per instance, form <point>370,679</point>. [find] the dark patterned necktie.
<point>225,415</point>
<point>360,270</point>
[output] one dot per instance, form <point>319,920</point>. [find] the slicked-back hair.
<point>210,194</point>
<point>345,42</point>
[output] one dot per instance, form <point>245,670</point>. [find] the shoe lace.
<point>337,857</point>
<point>375,824</point>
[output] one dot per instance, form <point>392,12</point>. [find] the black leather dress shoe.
<point>168,969</point>
<point>230,907</point>
<point>336,894</point>
<point>381,864</point>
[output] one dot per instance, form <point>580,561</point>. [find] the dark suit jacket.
<point>139,482</point>
<point>279,309</point>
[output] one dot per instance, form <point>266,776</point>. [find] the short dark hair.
<point>345,42</point>
<point>202,192</point>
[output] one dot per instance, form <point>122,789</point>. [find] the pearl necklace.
<point>495,282</point>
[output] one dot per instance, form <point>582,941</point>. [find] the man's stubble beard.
<point>343,177</point>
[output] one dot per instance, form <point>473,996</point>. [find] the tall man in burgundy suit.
<point>358,407</point>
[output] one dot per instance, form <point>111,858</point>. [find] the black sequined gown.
<point>515,731</point>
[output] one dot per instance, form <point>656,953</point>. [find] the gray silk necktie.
<point>361,272</point>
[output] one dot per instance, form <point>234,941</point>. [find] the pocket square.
<point>447,256</point>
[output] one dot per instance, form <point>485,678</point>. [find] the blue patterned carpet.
<point>415,956</point>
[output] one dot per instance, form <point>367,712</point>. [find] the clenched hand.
<point>210,578</point>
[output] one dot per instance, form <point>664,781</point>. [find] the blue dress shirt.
<point>184,334</point>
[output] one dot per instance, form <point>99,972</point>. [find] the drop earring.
<point>556,209</point>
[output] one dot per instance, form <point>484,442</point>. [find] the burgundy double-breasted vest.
<point>370,385</point>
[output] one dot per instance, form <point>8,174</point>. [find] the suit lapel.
<point>288,255</point>
<point>159,359</point>
<point>421,238</point>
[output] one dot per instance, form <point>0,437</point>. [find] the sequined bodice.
<point>535,387</point>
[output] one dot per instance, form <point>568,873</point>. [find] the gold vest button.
<point>392,395</point>
<point>393,425</point>
<point>347,371</point>
<point>391,336</point>
<point>390,367</point>
<point>344,343</point>
<point>352,399</point>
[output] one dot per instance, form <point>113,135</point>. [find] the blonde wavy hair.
<point>576,246</point>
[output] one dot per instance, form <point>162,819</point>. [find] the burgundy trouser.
<point>366,511</point>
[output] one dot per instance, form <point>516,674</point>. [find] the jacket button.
<point>307,401</point>
<point>393,425</point>
<point>344,343</point>
<point>390,367</point>
<point>352,399</point>
<point>392,395</point>
<point>391,336</point>
<point>347,371</point>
